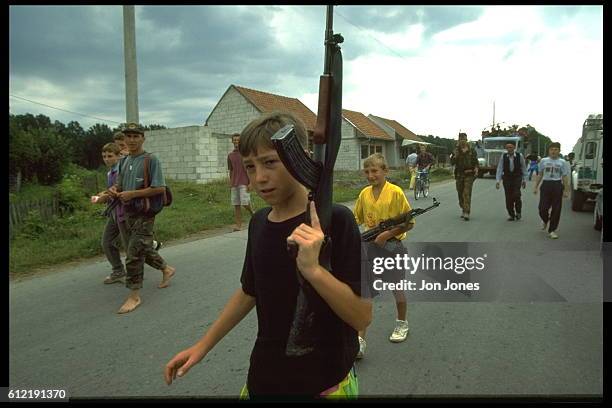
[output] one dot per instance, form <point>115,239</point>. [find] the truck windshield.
<point>496,144</point>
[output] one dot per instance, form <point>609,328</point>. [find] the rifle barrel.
<point>329,34</point>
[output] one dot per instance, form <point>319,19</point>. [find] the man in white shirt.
<point>512,170</point>
<point>553,170</point>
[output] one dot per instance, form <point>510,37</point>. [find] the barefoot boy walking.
<point>130,183</point>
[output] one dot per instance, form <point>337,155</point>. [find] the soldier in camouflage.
<point>465,160</point>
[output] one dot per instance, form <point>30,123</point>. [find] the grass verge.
<point>195,208</point>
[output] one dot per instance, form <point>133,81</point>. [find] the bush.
<point>72,193</point>
<point>32,226</point>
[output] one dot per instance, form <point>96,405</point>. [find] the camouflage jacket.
<point>464,161</point>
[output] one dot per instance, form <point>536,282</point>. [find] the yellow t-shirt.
<point>391,203</point>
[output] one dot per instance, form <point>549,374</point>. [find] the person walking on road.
<point>239,181</point>
<point>129,187</point>
<point>115,226</point>
<point>533,160</point>
<point>411,162</point>
<point>512,170</point>
<point>269,283</point>
<point>554,173</point>
<point>465,160</point>
<point>377,202</point>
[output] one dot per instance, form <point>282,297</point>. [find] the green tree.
<point>445,146</point>
<point>75,135</point>
<point>52,157</point>
<point>154,127</point>
<point>95,138</point>
<point>531,135</point>
<point>36,149</point>
<point>23,153</point>
<point>29,122</point>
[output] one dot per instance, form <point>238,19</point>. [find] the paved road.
<point>64,332</point>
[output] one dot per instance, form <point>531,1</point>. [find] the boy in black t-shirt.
<point>269,282</point>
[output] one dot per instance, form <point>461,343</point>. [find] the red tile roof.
<point>267,102</point>
<point>399,129</point>
<point>365,125</point>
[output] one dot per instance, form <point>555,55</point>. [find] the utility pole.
<point>492,126</point>
<point>131,71</point>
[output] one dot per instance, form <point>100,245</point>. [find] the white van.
<point>587,170</point>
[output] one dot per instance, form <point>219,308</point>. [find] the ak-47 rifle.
<point>389,224</point>
<point>317,176</point>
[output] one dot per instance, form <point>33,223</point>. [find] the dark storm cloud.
<point>184,53</point>
<point>63,43</point>
<point>218,46</point>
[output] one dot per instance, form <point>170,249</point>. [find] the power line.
<point>64,110</point>
<point>366,33</point>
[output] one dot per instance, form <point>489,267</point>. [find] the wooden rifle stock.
<point>323,111</point>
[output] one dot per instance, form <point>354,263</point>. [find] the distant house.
<point>399,133</point>
<point>199,153</point>
<point>361,137</point>
<point>239,105</point>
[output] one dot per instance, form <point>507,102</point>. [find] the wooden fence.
<point>46,207</point>
<point>49,207</point>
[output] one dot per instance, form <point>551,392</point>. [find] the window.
<point>590,150</point>
<point>364,151</point>
<point>367,150</point>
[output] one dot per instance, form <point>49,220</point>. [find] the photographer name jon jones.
<point>404,262</point>
<point>405,284</point>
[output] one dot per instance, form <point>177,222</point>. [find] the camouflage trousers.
<point>140,250</point>
<point>114,237</point>
<point>464,192</point>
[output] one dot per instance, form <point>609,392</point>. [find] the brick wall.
<point>192,153</point>
<point>232,113</point>
<point>349,153</point>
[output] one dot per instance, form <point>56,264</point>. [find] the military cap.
<point>133,128</point>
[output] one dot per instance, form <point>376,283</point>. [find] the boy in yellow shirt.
<point>377,202</point>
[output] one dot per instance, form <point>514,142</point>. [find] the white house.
<point>199,153</point>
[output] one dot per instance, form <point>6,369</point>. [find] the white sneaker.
<point>553,235</point>
<point>362,346</point>
<point>400,332</point>
<point>544,225</point>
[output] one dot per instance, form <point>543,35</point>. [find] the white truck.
<point>492,149</point>
<point>587,170</point>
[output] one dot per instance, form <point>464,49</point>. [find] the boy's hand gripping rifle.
<point>389,224</point>
<point>317,176</point>
<point>111,207</point>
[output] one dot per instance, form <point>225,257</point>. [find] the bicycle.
<point>421,186</point>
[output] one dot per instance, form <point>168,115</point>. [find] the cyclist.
<point>424,162</point>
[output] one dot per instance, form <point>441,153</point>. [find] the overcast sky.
<point>435,69</point>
